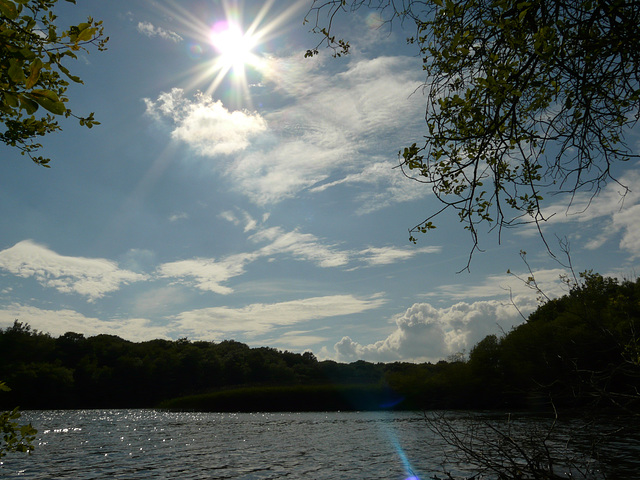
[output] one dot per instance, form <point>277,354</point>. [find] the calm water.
<point>147,444</point>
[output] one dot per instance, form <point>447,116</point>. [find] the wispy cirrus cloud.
<point>501,286</point>
<point>388,255</point>
<point>212,275</point>
<point>332,125</point>
<point>249,222</point>
<point>615,209</point>
<point>59,322</point>
<point>305,246</point>
<point>96,277</point>
<point>301,246</point>
<point>258,319</point>
<point>90,277</point>
<point>386,185</point>
<point>148,29</point>
<point>207,274</point>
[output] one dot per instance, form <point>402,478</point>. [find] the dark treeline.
<point>582,348</point>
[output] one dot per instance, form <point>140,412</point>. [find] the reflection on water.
<point>143,444</point>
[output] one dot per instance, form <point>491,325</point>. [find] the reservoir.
<point>157,444</point>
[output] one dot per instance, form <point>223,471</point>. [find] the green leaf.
<point>36,66</point>
<point>9,9</point>
<point>73,78</point>
<point>16,74</point>
<point>28,105</point>
<point>48,100</point>
<point>56,108</point>
<point>11,100</point>
<point>27,54</point>
<point>86,34</point>
<point>53,96</point>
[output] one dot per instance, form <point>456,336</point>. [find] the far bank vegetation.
<point>582,349</point>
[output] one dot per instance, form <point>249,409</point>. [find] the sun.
<point>234,47</point>
<point>230,43</point>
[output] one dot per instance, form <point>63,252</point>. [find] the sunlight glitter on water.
<point>150,444</point>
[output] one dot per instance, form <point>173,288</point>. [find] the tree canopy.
<point>525,98</point>
<point>33,74</point>
<point>581,349</point>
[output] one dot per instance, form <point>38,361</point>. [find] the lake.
<point>147,444</point>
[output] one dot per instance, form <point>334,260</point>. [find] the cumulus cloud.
<point>90,277</point>
<point>205,125</point>
<point>148,29</point>
<point>426,333</point>
<point>258,319</point>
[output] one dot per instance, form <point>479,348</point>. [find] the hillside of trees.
<point>580,349</point>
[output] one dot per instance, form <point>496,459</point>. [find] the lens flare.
<point>195,51</point>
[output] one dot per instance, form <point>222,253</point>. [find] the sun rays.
<point>230,43</point>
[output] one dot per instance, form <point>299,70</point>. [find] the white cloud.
<point>59,322</point>
<point>210,274</point>
<point>150,30</point>
<point>297,339</point>
<point>207,273</point>
<point>302,246</point>
<point>157,301</point>
<point>250,223</point>
<point>338,123</point>
<point>91,277</point>
<point>305,246</point>
<point>388,255</point>
<point>615,211</point>
<point>272,175</point>
<point>426,333</point>
<point>206,125</point>
<point>178,216</point>
<point>385,184</point>
<point>258,319</point>
<point>331,125</point>
<point>548,280</point>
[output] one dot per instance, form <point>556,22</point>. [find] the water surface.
<point>148,444</point>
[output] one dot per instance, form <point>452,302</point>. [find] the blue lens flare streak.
<point>393,439</point>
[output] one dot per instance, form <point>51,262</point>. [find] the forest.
<point>581,349</point>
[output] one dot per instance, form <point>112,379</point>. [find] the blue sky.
<point>257,200</point>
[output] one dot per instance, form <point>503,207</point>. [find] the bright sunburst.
<point>230,43</point>
<point>233,45</point>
